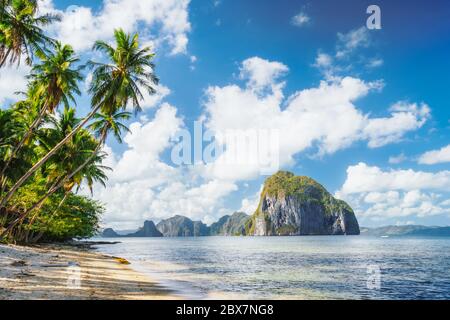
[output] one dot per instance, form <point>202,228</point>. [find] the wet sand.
<point>60,272</point>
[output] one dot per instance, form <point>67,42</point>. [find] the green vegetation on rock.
<point>284,184</point>
<point>293,205</point>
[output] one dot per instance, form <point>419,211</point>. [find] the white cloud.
<point>324,117</point>
<point>300,19</point>
<point>404,117</point>
<point>145,144</point>
<point>250,204</point>
<point>81,26</point>
<point>323,60</point>
<point>261,73</point>
<point>398,159</point>
<point>142,186</point>
<point>379,195</point>
<point>12,80</point>
<point>347,58</point>
<point>375,63</point>
<point>151,101</point>
<point>354,39</point>
<point>436,156</point>
<point>364,178</point>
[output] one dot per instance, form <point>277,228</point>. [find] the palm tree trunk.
<point>35,123</point>
<point>30,223</point>
<point>5,57</point>
<point>39,164</point>
<point>56,186</point>
<point>41,233</point>
<point>85,163</point>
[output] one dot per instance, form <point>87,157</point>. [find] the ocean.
<point>319,267</point>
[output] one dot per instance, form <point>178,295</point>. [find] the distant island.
<point>289,205</point>
<point>234,225</point>
<point>408,230</point>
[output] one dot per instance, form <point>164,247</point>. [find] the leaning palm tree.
<point>54,81</point>
<point>13,124</point>
<point>65,161</point>
<point>114,86</point>
<point>105,123</point>
<point>92,173</point>
<point>21,31</point>
<point>102,126</point>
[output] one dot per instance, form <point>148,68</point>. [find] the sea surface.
<point>322,267</point>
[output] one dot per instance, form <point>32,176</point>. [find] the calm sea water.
<point>293,267</point>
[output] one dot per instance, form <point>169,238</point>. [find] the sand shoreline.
<point>65,272</point>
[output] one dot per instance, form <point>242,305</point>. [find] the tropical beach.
<point>43,273</point>
<point>192,149</point>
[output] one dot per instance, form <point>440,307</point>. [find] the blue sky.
<point>211,54</point>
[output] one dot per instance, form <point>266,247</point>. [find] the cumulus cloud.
<point>364,178</point>
<point>151,101</point>
<point>12,80</point>
<point>82,26</point>
<point>261,73</point>
<point>404,117</point>
<point>250,204</point>
<point>436,156</point>
<point>382,194</point>
<point>323,60</point>
<point>142,186</point>
<point>323,117</point>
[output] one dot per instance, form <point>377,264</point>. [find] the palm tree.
<point>53,81</point>
<point>21,31</point>
<point>13,124</point>
<point>66,160</point>
<point>89,170</point>
<point>113,87</point>
<point>105,123</point>
<point>102,126</point>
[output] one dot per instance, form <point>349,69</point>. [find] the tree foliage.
<point>48,154</point>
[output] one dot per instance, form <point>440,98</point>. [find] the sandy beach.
<point>67,272</point>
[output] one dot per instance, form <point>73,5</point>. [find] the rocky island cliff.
<point>289,205</point>
<point>298,205</point>
<point>180,226</point>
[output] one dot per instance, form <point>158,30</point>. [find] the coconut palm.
<point>13,124</point>
<point>66,160</point>
<point>54,81</point>
<point>21,31</point>
<point>102,126</point>
<point>105,123</point>
<point>114,86</point>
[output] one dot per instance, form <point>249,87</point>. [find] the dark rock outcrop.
<point>148,230</point>
<point>179,226</point>
<point>233,225</point>
<point>109,233</point>
<point>293,205</point>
